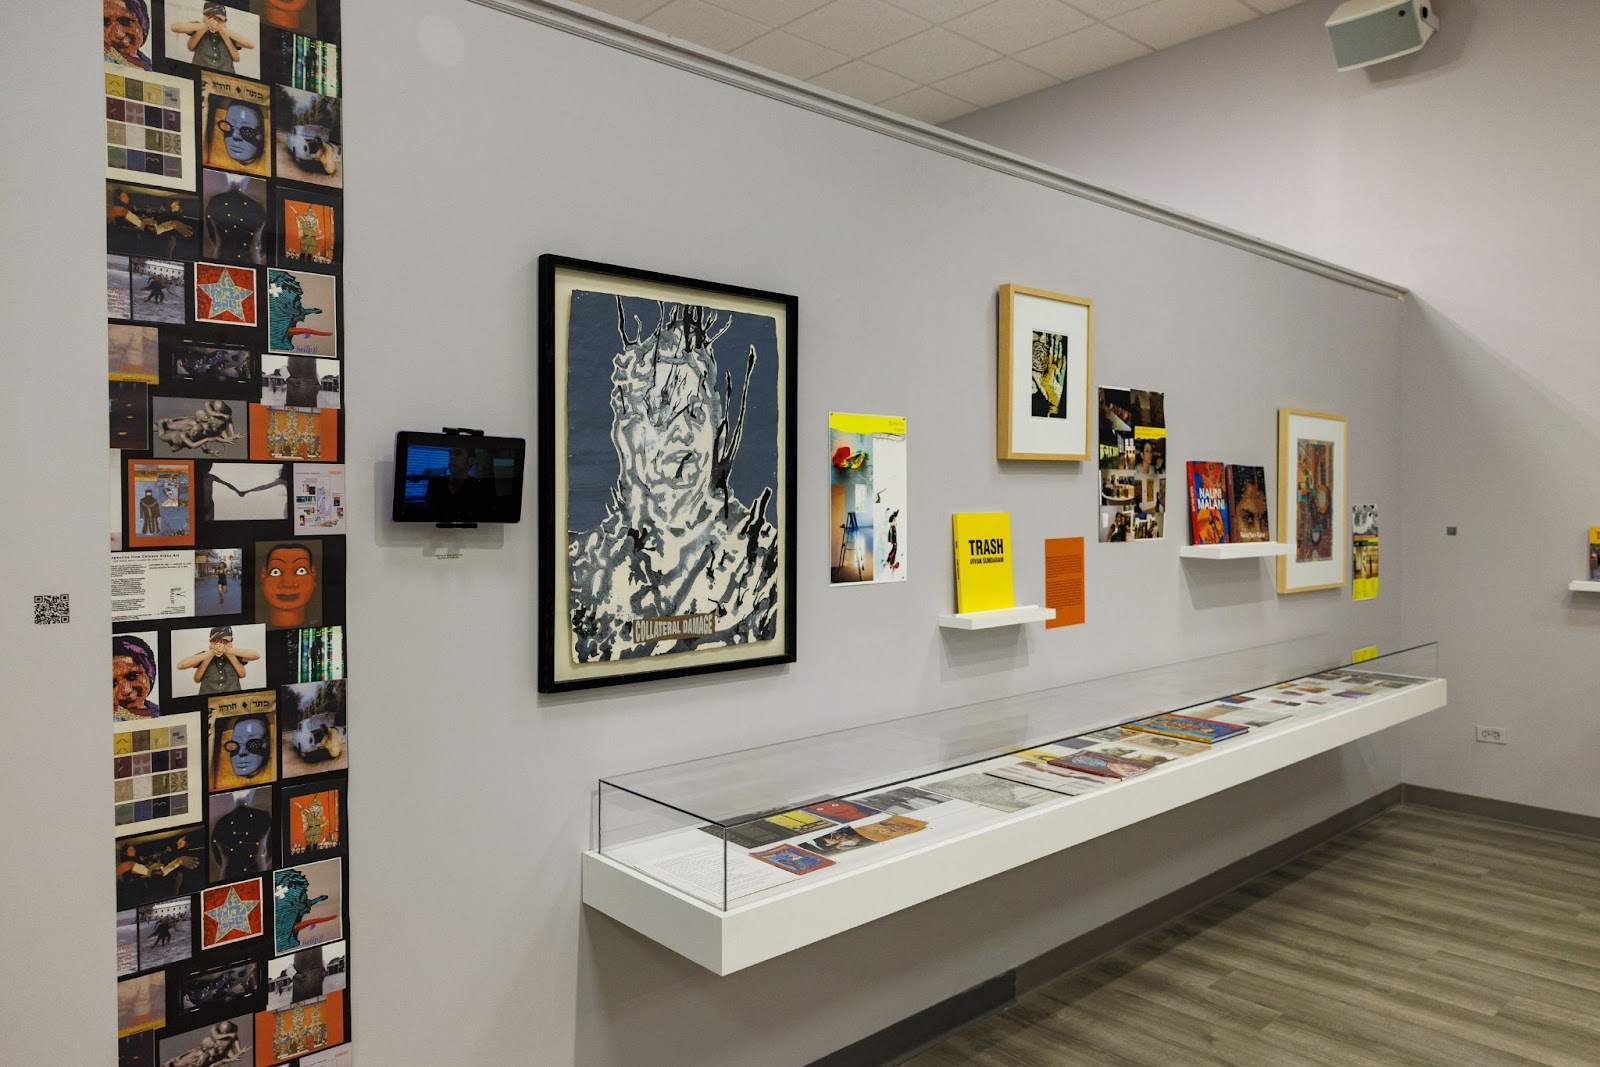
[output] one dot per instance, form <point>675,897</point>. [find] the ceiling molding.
<point>641,41</point>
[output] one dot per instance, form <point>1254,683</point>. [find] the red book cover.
<point>1208,503</point>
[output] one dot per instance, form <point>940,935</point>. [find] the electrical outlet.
<point>1491,735</point>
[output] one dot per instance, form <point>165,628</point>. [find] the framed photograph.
<point>1046,364</point>
<point>1312,461</point>
<point>666,476</point>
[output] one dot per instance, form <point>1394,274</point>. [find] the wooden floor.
<point>1422,938</point>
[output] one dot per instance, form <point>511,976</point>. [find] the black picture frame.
<point>735,556</point>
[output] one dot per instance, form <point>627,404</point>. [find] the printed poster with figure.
<point>867,499</point>
<point>672,482</point>
<point>1364,551</point>
<point>1133,465</point>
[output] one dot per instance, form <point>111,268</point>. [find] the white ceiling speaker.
<point>1365,32</point>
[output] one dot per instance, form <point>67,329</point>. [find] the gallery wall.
<point>58,924</point>
<point>505,140</point>
<point>1463,172</point>
<point>487,141</point>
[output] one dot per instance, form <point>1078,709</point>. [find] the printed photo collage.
<point>226,516</point>
<point>817,836</point>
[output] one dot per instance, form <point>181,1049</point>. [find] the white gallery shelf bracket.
<point>1236,550</point>
<point>1583,587</point>
<point>989,620</point>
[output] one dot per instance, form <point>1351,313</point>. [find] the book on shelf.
<point>983,560</point>
<point>1189,729</point>
<point>1208,503</point>
<point>1594,553</point>
<point>1247,504</point>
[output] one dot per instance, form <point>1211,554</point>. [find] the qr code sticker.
<point>51,609</point>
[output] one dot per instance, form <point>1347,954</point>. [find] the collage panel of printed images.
<point>224,168</point>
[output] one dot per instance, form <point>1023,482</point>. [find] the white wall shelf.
<point>1238,550</point>
<point>988,620</point>
<point>1584,587</point>
<point>729,940</point>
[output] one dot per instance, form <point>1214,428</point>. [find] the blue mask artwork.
<point>248,747</point>
<point>242,135</point>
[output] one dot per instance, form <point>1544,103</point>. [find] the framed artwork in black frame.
<point>666,475</point>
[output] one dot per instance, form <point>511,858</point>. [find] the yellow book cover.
<point>1594,553</point>
<point>983,560</point>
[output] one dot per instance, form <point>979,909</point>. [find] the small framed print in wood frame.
<point>666,475</point>
<point>1312,460</point>
<point>1046,367</point>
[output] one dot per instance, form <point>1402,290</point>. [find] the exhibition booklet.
<point>989,792</point>
<point>1205,731</point>
<point>1044,776</point>
<point>1594,553</point>
<point>1102,764</point>
<point>839,839</point>
<point>983,560</point>
<point>902,800</point>
<point>1208,503</point>
<point>1247,504</point>
<point>794,860</point>
<point>1167,746</point>
<point>895,826</point>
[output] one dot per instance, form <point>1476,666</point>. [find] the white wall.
<point>477,142</point>
<point>1466,172</point>
<point>57,906</point>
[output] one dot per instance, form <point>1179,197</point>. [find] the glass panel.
<point>728,828</point>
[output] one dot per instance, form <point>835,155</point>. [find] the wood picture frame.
<point>1313,464</point>
<point>1045,356</point>
<point>667,480</point>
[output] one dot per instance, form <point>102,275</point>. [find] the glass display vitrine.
<point>734,830</point>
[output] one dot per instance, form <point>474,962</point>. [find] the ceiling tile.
<point>1084,52</point>
<point>939,10</point>
<point>1169,22</point>
<point>863,81</point>
<point>632,10</point>
<point>931,55</point>
<point>791,55</point>
<point>995,83</point>
<point>929,105</point>
<point>1267,7</point>
<point>1009,26</point>
<point>856,27</point>
<point>1104,9</point>
<point>770,12</point>
<point>698,21</point>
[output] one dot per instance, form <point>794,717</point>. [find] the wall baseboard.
<point>897,1043</point>
<point>1563,822</point>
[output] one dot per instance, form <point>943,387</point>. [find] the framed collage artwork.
<point>666,476</point>
<point>1045,371</point>
<point>1312,460</point>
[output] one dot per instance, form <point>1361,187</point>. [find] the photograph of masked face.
<point>236,125</point>
<point>244,747</point>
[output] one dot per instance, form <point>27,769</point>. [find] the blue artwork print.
<point>672,477</point>
<point>301,315</point>
<point>292,903</point>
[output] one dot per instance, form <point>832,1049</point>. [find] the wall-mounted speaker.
<point>1365,32</point>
